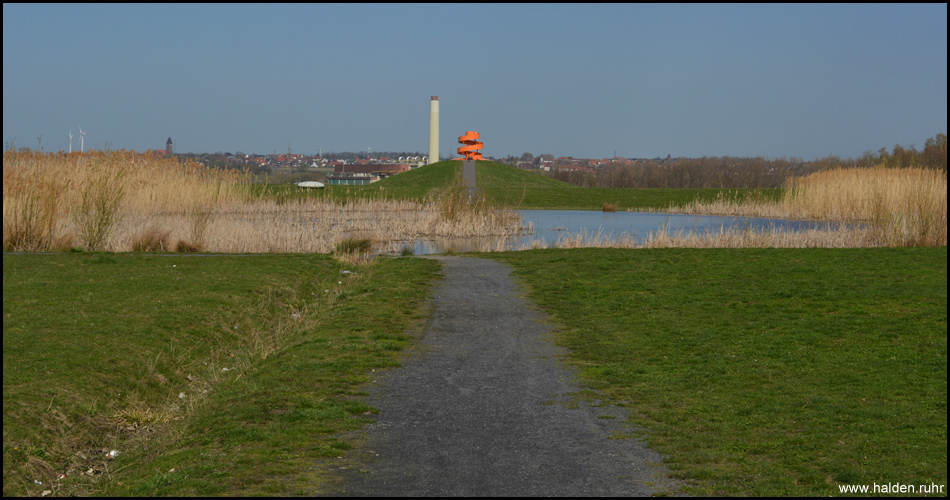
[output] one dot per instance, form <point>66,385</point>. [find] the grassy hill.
<point>502,181</point>
<point>512,187</point>
<point>417,183</point>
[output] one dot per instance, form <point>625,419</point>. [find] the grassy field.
<point>756,371</point>
<point>208,375</point>
<point>771,372</point>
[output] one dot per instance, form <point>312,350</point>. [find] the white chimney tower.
<point>434,129</point>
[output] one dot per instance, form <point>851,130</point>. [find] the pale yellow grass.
<point>842,237</point>
<point>901,207</point>
<point>55,195</point>
<point>311,225</point>
<point>124,199</point>
<point>746,206</point>
<point>149,183</point>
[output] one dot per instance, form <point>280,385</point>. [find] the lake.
<point>549,225</point>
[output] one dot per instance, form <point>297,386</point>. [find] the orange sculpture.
<point>470,146</point>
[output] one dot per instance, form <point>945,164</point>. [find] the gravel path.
<point>477,409</point>
<point>468,173</point>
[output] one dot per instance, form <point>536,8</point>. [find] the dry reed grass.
<point>47,195</point>
<point>313,225</point>
<point>733,204</point>
<point>901,207</point>
<point>842,237</point>
<point>32,208</point>
<point>99,210</point>
<point>153,239</point>
<point>185,246</point>
<point>116,201</point>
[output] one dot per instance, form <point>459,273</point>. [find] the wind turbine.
<point>81,142</point>
<point>70,139</point>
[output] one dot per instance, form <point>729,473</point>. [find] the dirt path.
<point>477,408</point>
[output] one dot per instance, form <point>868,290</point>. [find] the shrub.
<point>62,243</point>
<point>185,246</point>
<point>200,217</point>
<point>354,245</point>
<point>153,239</point>
<point>98,212</point>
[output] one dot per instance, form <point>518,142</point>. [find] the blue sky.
<point>569,80</point>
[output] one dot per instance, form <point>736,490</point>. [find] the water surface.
<point>550,225</point>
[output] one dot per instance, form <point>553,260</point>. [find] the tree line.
<point>728,172</point>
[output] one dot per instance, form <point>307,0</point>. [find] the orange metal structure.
<point>470,146</point>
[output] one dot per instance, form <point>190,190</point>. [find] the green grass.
<point>509,186</point>
<point>420,182</point>
<point>531,190</point>
<point>626,199</point>
<point>354,245</point>
<point>755,371</point>
<point>491,175</point>
<point>763,371</point>
<point>233,371</point>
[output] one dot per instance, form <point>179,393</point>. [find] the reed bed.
<point>841,237</point>
<point>727,203</point>
<point>312,225</point>
<point>122,201</point>
<point>901,207</point>
<point>83,197</point>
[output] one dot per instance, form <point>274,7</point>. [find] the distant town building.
<point>351,179</point>
<point>378,169</point>
<point>168,147</point>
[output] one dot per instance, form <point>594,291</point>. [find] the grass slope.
<point>421,181</point>
<point>233,371</point>
<point>491,175</point>
<point>763,371</point>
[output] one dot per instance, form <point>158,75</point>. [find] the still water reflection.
<point>550,225</point>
